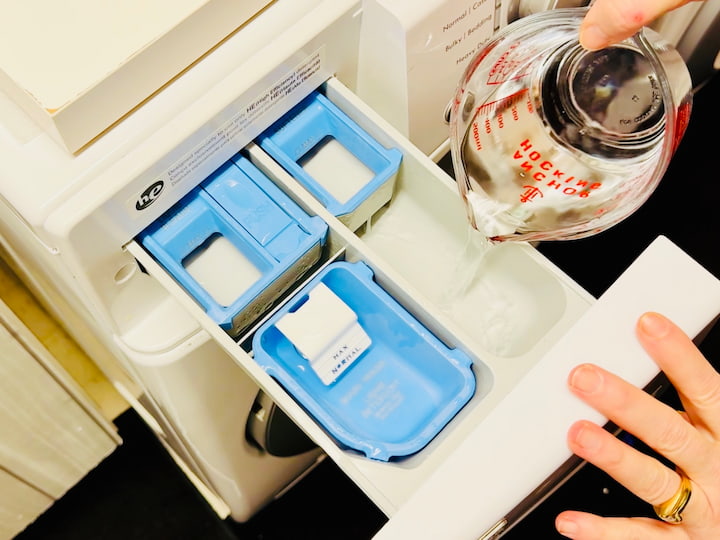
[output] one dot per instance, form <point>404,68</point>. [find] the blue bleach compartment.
<point>236,243</point>
<point>403,385</point>
<point>346,169</point>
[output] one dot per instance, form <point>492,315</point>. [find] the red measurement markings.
<point>482,124</point>
<point>502,103</point>
<point>681,122</point>
<point>512,65</point>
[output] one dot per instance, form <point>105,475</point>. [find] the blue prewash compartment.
<point>337,161</point>
<point>370,373</point>
<point>236,243</point>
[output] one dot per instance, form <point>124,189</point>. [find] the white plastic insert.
<point>326,332</point>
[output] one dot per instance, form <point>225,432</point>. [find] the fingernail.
<point>593,38</point>
<point>653,325</point>
<point>586,438</point>
<point>586,379</point>
<point>566,527</point>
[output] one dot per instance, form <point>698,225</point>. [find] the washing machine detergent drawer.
<point>423,371</point>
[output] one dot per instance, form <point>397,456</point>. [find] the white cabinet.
<point>52,434</point>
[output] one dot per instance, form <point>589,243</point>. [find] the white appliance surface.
<point>61,176</point>
<point>52,63</point>
<point>71,219</point>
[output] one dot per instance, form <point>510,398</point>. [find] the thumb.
<point>611,21</point>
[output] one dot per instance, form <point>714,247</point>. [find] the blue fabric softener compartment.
<point>375,378</point>
<point>343,167</point>
<point>236,243</point>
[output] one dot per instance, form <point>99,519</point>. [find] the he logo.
<point>149,195</point>
<point>530,193</point>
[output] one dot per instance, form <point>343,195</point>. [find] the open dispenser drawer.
<point>511,311</point>
<point>503,313</point>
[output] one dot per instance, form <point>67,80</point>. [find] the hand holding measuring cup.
<point>552,141</point>
<point>612,21</point>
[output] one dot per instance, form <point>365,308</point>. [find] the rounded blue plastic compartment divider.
<point>307,125</point>
<point>270,229</point>
<point>397,396</point>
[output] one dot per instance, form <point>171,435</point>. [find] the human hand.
<point>611,21</point>
<point>691,441</point>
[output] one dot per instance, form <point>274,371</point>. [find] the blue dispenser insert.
<point>239,203</point>
<point>314,122</point>
<point>399,392</point>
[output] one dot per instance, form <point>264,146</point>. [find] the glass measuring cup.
<point>550,141</point>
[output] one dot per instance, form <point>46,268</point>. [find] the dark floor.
<point>138,493</point>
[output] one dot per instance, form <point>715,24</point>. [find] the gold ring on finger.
<point>671,510</point>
